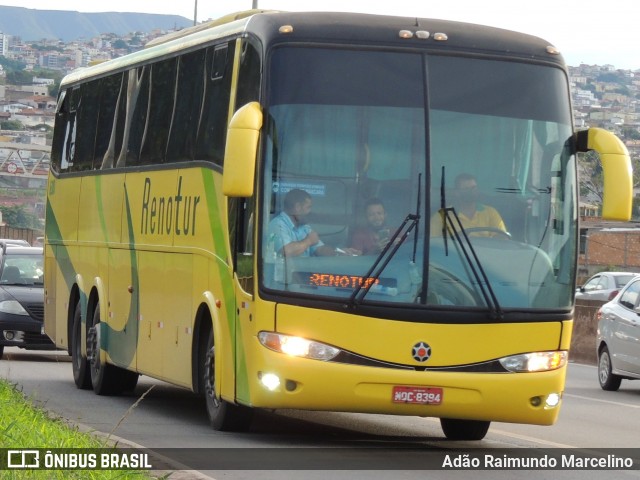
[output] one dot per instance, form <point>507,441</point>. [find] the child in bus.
<point>374,236</point>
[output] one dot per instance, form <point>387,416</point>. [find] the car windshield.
<point>22,269</point>
<point>359,142</point>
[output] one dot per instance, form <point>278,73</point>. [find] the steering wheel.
<point>490,230</point>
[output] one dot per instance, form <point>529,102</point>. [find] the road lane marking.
<point>609,402</point>
<point>517,436</point>
<point>530,439</point>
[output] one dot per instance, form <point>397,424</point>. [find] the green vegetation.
<point>17,216</point>
<point>24,426</point>
<point>9,64</point>
<point>11,125</point>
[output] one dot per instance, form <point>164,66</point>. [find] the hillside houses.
<point>66,57</point>
<point>605,97</point>
<point>29,105</point>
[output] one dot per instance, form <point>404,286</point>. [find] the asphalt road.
<point>168,417</point>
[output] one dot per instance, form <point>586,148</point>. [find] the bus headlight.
<point>535,362</point>
<point>297,346</point>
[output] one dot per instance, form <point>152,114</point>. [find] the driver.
<point>472,213</point>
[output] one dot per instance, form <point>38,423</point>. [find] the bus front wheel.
<point>223,416</point>
<point>455,429</point>
<point>79,364</point>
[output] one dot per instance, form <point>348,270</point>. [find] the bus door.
<point>241,223</point>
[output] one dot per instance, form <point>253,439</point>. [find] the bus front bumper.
<point>279,381</point>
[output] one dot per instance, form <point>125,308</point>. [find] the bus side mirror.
<point>616,169</point>
<point>241,151</point>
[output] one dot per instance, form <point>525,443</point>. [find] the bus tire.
<point>105,379</point>
<point>455,429</point>
<point>607,379</point>
<point>79,364</point>
<point>223,416</point>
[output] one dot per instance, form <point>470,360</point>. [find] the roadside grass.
<point>23,425</point>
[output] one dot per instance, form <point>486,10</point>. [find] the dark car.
<point>22,298</point>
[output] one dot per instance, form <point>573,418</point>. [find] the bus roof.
<point>340,28</point>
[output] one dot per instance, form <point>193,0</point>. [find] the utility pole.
<point>255,4</point>
<point>195,13</point>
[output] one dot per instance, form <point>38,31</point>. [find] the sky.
<point>594,32</point>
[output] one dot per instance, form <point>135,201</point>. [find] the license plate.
<point>419,395</point>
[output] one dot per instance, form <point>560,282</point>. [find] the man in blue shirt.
<point>294,237</point>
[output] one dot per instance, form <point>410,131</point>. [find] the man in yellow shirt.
<point>472,214</point>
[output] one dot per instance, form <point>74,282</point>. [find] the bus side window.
<point>186,112</point>
<point>59,133</point>
<point>241,217</point>
<point>249,81</point>
<point>212,128</point>
<point>162,86</point>
<point>87,114</point>
<point>70,130</point>
<point>106,131</point>
<point>136,117</point>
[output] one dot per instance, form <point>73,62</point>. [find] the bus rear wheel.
<point>79,364</point>
<point>105,379</point>
<point>455,429</point>
<point>223,416</point>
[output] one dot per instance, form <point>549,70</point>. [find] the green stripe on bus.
<point>220,244</point>
<point>52,229</point>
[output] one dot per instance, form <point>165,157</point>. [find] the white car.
<point>618,338</point>
<point>604,285</point>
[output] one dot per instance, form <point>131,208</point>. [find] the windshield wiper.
<point>383,258</point>
<point>410,222</point>
<point>468,253</point>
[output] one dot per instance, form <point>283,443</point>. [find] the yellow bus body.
<point>114,247</point>
<point>148,248</point>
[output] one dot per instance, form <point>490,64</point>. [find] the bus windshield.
<point>472,154</point>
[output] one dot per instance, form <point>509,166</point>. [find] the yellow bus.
<point>183,175</point>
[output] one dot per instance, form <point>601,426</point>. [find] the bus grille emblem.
<point>421,352</point>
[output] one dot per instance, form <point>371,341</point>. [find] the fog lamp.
<point>270,380</point>
<point>553,400</point>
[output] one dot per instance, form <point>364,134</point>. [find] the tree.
<point>120,44</point>
<point>16,216</point>
<point>11,125</point>
<point>630,133</point>
<point>19,77</point>
<point>43,127</point>
<point>54,89</point>
<point>11,65</point>
<point>635,209</point>
<point>591,180</point>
